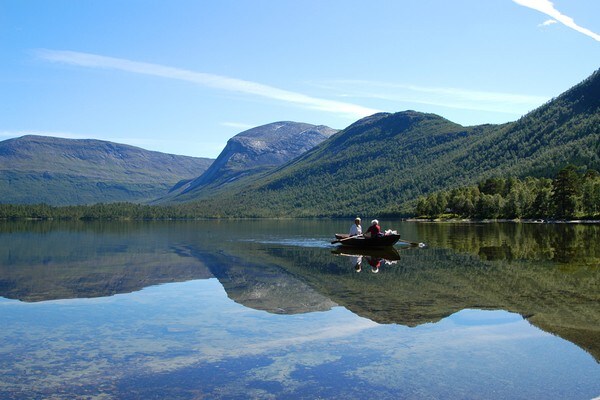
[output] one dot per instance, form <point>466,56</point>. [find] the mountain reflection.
<point>51,261</point>
<point>257,283</point>
<point>427,285</point>
<point>550,274</point>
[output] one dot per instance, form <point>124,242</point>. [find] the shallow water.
<point>270,309</point>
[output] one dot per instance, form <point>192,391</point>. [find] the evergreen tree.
<point>422,208</point>
<point>542,203</point>
<point>590,199</point>
<point>565,189</point>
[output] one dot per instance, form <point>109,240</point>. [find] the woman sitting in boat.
<point>356,229</point>
<point>374,230</point>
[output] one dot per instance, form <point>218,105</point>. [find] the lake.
<point>272,310</point>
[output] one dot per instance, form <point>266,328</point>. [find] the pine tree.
<point>565,189</point>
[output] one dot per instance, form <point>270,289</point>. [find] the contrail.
<point>547,7</point>
<point>206,80</point>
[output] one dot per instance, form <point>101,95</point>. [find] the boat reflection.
<point>387,253</point>
<point>375,258</point>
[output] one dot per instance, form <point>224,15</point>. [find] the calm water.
<point>271,309</point>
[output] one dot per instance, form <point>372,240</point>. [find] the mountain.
<point>40,169</point>
<point>253,152</point>
<point>381,164</point>
<point>377,161</point>
<point>566,130</point>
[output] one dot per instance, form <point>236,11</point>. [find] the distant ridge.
<point>255,151</point>
<point>57,171</point>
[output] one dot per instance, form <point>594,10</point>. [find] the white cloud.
<point>454,98</point>
<point>547,7</point>
<point>206,80</point>
<point>549,22</point>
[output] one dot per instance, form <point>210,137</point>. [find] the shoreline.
<point>490,221</point>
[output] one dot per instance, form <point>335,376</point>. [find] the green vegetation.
<point>372,167</point>
<point>571,195</point>
<point>101,211</point>
<point>382,164</point>
<point>38,169</point>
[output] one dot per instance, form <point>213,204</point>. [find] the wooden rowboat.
<point>361,241</point>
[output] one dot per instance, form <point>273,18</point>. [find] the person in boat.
<point>356,229</point>
<point>374,230</point>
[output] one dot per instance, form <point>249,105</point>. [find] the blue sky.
<point>183,76</point>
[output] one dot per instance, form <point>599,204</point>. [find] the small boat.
<point>361,241</point>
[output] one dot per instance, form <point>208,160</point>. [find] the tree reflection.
<point>550,274</point>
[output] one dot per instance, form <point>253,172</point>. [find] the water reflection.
<point>375,258</point>
<point>427,285</point>
<point>47,261</point>
<point>259,283</point>
<point>548,273</point>
<point>563,243</point>
<point>288,283</point>
<point>386,253</point>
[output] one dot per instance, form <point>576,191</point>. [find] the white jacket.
<point>355,230</point>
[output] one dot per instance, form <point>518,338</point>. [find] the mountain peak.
<point>404,118</point>
<point>261,148</point>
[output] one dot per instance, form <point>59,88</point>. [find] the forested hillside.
<point>564,131</point>
<point>383,163</point>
